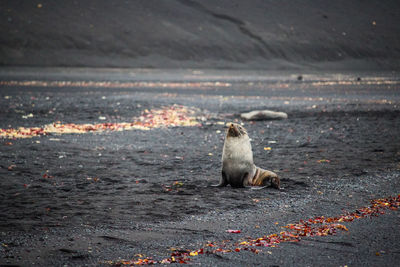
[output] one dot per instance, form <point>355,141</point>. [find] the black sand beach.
<point>90,198</point>
<point>98,198</point>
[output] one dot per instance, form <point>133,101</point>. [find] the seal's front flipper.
<point>223,182</point>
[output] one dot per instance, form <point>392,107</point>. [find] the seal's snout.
<point>233,131</point>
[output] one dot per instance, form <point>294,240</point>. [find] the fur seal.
<point>238,168</point>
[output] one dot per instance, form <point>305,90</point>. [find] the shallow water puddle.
<point>317,226</point>
<point>170,116</point>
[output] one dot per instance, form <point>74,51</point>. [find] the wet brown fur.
<point>262,177</point>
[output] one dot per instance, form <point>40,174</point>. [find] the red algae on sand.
<point>317,226</point>
<point>171,116</point>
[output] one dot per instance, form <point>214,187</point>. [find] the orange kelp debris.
<point>175,115</point>
<point>317,226</point>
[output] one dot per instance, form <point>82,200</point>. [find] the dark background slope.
<point>201,34</point>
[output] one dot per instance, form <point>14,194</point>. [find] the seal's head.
<point>236,130</point>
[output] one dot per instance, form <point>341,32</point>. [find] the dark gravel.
<point>73,220</point>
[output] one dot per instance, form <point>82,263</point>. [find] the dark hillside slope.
<point>255,34</point>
